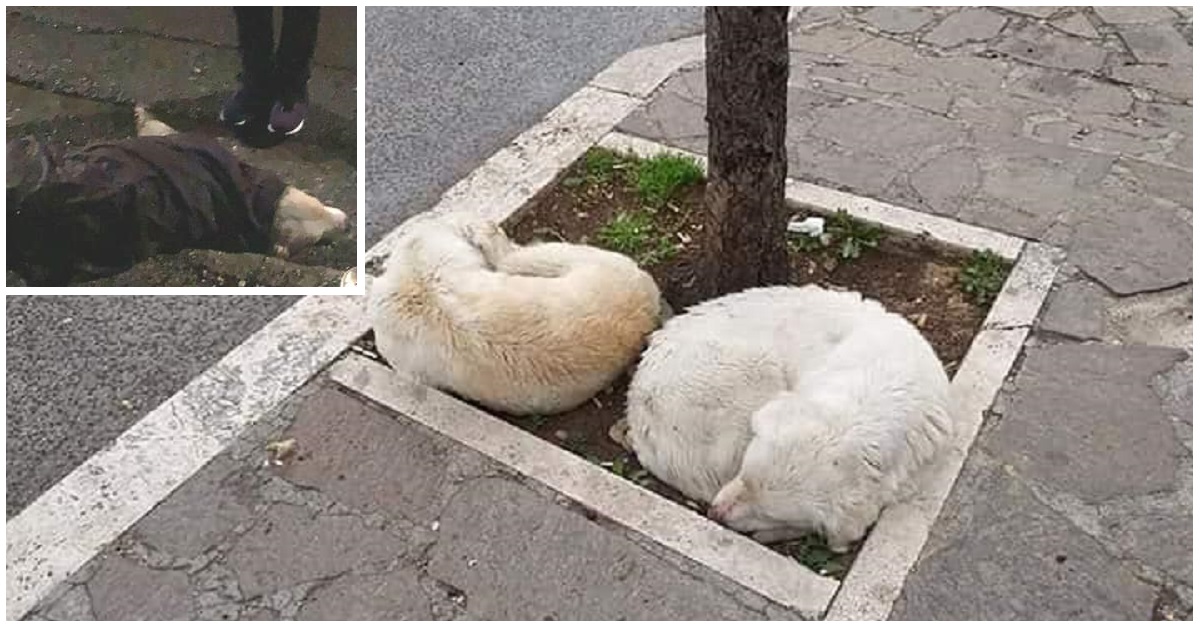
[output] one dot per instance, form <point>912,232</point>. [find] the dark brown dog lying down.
<point>80,214</point>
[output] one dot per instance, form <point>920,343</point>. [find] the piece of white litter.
<point>435,525</point>
<point>813,226</point>
<point>471,562</point>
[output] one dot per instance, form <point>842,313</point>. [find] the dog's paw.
<point>490,239</point>
<point>619,434</point>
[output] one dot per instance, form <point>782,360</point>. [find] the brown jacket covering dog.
<point>78,214</point>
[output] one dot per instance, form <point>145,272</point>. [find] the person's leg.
<point>297,42</point>
<point>257,47</point>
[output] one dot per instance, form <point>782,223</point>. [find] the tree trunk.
<point>747,68</point>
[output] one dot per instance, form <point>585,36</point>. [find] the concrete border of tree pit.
<point>877,575</point>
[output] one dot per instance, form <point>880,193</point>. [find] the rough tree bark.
<point>747,73</point>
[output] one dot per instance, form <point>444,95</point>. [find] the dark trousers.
<point>286,70</point>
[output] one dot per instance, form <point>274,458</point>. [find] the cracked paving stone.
<point>73,605</point>
<point>670,119</point>
<point>1038,12</point>
<point>997,553</point>
<point>571,567</point>
<point>1158,181</point>
<point>898,19</point>
<point>1156,530</point>
<point>815,15</point>
<point>1131,245</point>
<point>201,512</point>
<point>392,596</point>
<point>836,40</point>
<point>965,26</point>
<point>1077,94</point>
<point>1175,389</point>
<point>1156,318</point>
<point>1076,24</point>
<point>367,459</point>
<point>124,590</point>
<point>1172,80</point>
<point>1025,182</point>
<point>1133,15</point>
<point>1085,420</point>
<point>1076,310</point>
<point>1156,43</point>
<point>290,547</point>
<point>947,180</point>
<point>1041,45</point>
<point>889,132</point>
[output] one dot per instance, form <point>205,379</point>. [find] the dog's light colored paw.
<point>147,125</point>
<point>619,434</point>
<point>281,251</point>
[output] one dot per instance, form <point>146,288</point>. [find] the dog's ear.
<point>772,419</point>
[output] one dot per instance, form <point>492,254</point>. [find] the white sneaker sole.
<point>292,132</point>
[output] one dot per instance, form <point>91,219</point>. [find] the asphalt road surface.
<point>446,88</point>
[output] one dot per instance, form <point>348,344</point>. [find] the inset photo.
<point>209,148</point>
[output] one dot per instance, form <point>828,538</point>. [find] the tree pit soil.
<point>907,275</point>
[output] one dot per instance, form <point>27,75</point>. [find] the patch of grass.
<point>982,277</point>
<point>658,178</point>
<point>599,166</point>
<point>800,243</point>
<point>634,234</point>
<point>851,236</point>
<point>845,236</point>
<point>812,552</point>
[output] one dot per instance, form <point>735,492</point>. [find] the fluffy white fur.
<point>533,329</point>
<point>789,410</point>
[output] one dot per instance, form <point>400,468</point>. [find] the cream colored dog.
<point>790,410</point>
<point>533,329</point>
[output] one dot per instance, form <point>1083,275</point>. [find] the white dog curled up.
<point>533,329</point>
<point>789,410</point>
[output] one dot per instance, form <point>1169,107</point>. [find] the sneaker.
<point>245,104</point>
<point>288,117</point>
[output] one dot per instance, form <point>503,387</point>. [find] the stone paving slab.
<point>1070,125</point>
<point>377,517</point>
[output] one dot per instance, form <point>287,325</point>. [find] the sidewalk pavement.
<point>1071,126</point>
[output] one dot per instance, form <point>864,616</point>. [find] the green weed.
<point>851,236</point>
<point>982,277</point>
<point>634,234</point>
<point>658,178</point>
